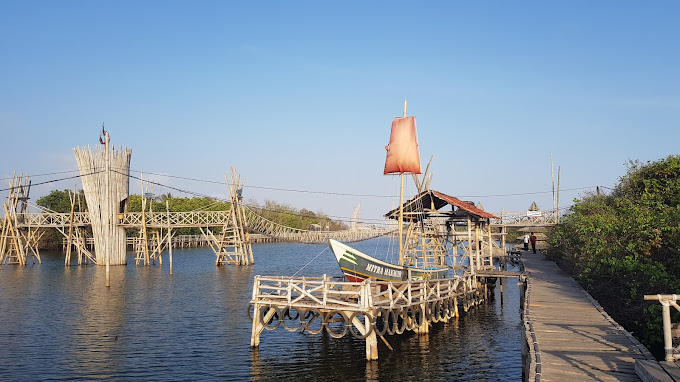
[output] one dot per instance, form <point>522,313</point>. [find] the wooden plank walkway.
<point>575,340</point>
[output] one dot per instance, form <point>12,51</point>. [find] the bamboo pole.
<point>470,253</point>
<point>503,232</point>
<point>145,238</point>
<point>67,260</point>
<point>488,228</point>
<point>106,206</point>
<point>167,209</point>
<point>557,211</point>
<point>477,244</point>
<point>552,176</point>
<point>401,208</point>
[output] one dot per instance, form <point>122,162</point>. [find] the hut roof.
<point>428,202</point>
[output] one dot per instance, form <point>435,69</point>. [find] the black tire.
<point>249,313</point>
<point>313,316</point>
<point>294,327</point>
<point>436,312</point>
<point>409,317</point>
<point>400,327</point>
<point>452,307</point>
<point>418,316</point>
<point>441,312</point>
<point>391,319</point>
<point>381,321</point>
<point>287,313</point>
<point>328,317</point>
<point>355,332</point>
<point>277,316</point>
<point>428,312</point>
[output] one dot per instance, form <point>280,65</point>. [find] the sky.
<point>299,96</point>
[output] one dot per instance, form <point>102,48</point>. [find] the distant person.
<point>532,238</point>
<point>526,242</point>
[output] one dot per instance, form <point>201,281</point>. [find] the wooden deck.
<point>573,338</point>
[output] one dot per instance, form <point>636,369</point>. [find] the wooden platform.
<point>573,338</point>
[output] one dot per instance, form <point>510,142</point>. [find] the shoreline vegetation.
<point>59,201</point>
<point>626,244</point>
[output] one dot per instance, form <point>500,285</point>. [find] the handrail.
<point>327,293</point>
<point>667,300</point>
<point>188,219</point>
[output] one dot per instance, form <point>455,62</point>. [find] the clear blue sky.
<point>300,95</point>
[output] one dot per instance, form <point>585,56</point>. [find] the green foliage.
<point>300,219</point>
<point>59,201</point>
<point>627,244</point>
<point>177,205</point>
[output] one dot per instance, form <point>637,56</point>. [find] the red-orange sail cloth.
<point>402,152</point>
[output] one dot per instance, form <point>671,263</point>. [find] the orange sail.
<point>402,152</point>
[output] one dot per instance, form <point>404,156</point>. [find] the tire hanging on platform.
<point>368,330</point>
<point>381,321</point>
<point>277,316</point>
<point>400,322</point>
<point>297,319</point>
<point>313,316</point>
<point>328,319</point>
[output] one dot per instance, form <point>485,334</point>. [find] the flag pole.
<point>401,210</point>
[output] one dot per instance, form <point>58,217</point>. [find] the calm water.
<point>62,323</point>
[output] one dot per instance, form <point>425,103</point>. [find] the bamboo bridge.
<point>105,179</point>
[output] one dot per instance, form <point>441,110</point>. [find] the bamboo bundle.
<point>105,177</point>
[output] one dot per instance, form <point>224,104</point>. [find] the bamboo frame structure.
<point>232,245</point>
<point>17,241</point>
<point>151,241</point>
<point>366,310</point>
<point>76,237</point>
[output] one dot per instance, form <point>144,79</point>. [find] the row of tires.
<point>338,323</point>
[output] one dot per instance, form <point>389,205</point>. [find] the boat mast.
<point>401,210</point>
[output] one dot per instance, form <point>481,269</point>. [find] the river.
<point>62,323</point>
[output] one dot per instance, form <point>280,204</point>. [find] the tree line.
<point>624,245</point>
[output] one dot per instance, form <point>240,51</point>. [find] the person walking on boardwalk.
<point>526,241</point>
<point>532,238</point>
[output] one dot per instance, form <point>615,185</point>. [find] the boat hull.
<point>358,266</point>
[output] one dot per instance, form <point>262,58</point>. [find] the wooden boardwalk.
<point>573,338</point>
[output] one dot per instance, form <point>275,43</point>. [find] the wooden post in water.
<point>490,239</point>
<point>371,339</point>
<point>107,205</point>
<point>469,234</point>
<point>503,230</point>
<point>477,249</point>
<point>167,209</point>
<point>67,259</point>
